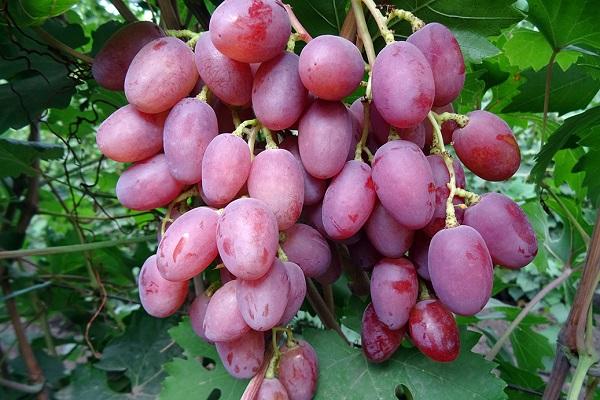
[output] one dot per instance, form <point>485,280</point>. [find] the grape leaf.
<point>475,47</point>
<point>16,156</point>
<point>530,347</point>
<point>89,383</point>
<point>344,373</point>
<point>34,12</point>
<point>320,17</point>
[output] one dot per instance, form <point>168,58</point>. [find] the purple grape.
<point>378,341</point>
<point>299,370</point>
<point>243,356</point>
<point>197,313</point>
<point>159,297</point>
<point>223,321</point>
<point>419,253</point>
<point>434,331</point>
<point>272,389</point>
<point>389,237</point>
<point>297,291</point>
<point>314,188</point>
<point>306,247</point>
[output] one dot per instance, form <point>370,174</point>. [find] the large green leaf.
<point>34,12</point>
<point>320,17</point>
<point>89,383</point>
<point>16,156</point>
<point>475,47</point>
<point>566,22</point>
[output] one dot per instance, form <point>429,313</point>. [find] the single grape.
<point>225,168</point>
<point>388,236</point>
<point>296,294</point>
<point>112,61</point>
<point>129,135</point>
<point>272,389</point>
<point>250,31</point>
<point>505,228</point>
<point>247,238</point>
<point>333,271</point>
<point>189,245</point>
<point>403,85</point>
<point>378,128</point>
<point>276,178</point>
<point>306,247</point>
<point>278,96</point>
<point>415,134</point>
<point>419,253</point>
<point>441,178</point>
<point>394,290</point>
<point>223,321</point>
<point>433,330</point>
<point>440,48</point>
<point>324,137</point>
<point>447,128</point>
<point>299,370</point>
<point>147,185</point>
<point>404,183</point>
<point>487,146</point>
<point>161,74</point>
<point>378,341</point>
<point>348,201</point>
<point>461,269</point>
<point>197,314</point>
<point>242,357</point>
<point>331,67</point>
<point>159,297</point>
<point>363,254</point>
<point>313,216</point>
<point>189,128</point>
<point>314,188</point>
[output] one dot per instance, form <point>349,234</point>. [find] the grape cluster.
<point>371,180</point>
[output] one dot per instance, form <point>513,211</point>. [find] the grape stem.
<point>423,291</point>
<point>271,143</point>
<point>291,44</point>
<point>296,24</point>
<point>365,130</point>
<point>382,22</point>
<point>404,15</point>
<point>439,148</point>
<point>60,46</point>
<point>363,31</point>
<point>198,285</point>
<point>460,119</point>
<point>203,95</point>
<point>394,135</point>
<point>281,254</point>
<point>182,197</point>
<point>252,141</point>
<point>239,130</point>
<point>470,198</point>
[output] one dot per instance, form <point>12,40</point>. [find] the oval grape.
<point>272,389</point>
<point>197,314</point>
<point>314,188</point>
<point>243,356</point>
<point>388,236</point>
<point>159,297</point>
<point>223,321</point>
<point>299,370</point>
<point>296,294</point>
<point>306,247</point>
<point>434,331</point>
<point>379,342</point>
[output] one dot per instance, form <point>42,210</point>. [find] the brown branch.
<point>60,46</point>
<point>348,29</point>
<point>318,304</point>
<point>547,93</point>
<point>168,15</point>
<point>21,387</point>
<point>328,295</point>
<point>124,10</point>
<point>296,24</point>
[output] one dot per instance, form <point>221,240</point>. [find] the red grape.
<point>378,341</point>
<point>314,188</point>
<point>223,321</point>
<point>159,297</point>
<point>242,357</point>
<point>378,128</point>
<point>272,389</point>
<point>299,370</point>
<point>363,254</point>
<point>197,313</point>
<point>306,247</point>
<point>389,237</point>
<point>433,330</point>
<point>419,253</point>
<point>297,291</point>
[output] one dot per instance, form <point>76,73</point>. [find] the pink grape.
<point>190,127</point>
<point>348,201</point>
<point>419,253</point>
<point>404,183</point>
<point>333,271</point>
<point>229,80</point>
<point>129,135</point>
<point>394,290</point>
<point>112,61</point>
<point>324,137</point>
<point>247,238</point>
<point>223,321</point>
<point>440,48</point>
<point>314,188</point>
<point>297,291</point>
<point>313,216</point>
<point>307,248</point>
<point>161,74</point>
<point>278,97</point>
<point>147,185</point>
<point>461,269</point>
<point>487,146</point>
<point>379,342</point>
<point>270,169</point>
<point>331,67</point>
<point>403,85</point>
<point>299,370</point>
<point>225,168</point>
<point>242,357</point>
<point>250,31</point>
<point>415,134</point>
<point>503,225</point>
<point>389,237</point>
<point>434,331</point>
<point>272,389</point>
<point>198,313</point>
<point>189,245</point>
<point>159,297</point>
<point>263,301</point>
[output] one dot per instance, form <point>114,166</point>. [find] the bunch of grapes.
<point>268,175</point>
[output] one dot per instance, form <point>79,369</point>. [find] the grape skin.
<point>331,67</point>
<point>147,185</point>
<point>243,356</point>
<point>197,314</point>
<point>129,135</point>
<point>296,294</point>
<point>112,61</point>
<point>306,247</point>
<point>402,84</point>
<point>314,188</point>
<point>250,31</point>
<point>333,271</point>
<point>247,238</point>
<point>225,153</point>
<point>487,146</point>
<point>388,236</point>
<point>189,128</point>
<point>378,341</point>
<point>348,201</point>
<point>223,321</point>
<point>278,96</point>
<point>161,74</point>
<point>159,297</point>
<point>418,254</point>
<point>394,290</point>
<point>262,301</point>
<point>461,269</point>
<point>503,225</point>
<point>189,245</point>
<point>299,370</point>
<point>434,331</point>
<point>363,254</point>
<point>272,389</point>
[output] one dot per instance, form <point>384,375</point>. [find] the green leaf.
<point>521,378</point>
<point>344,373</point>
<point>16,156</point>
<point>472,93</point>
<point>564,162</point>
<point>320,17</point>
<point>89,383</point>
<point>191,375</point>
<point>530,348</point>
<point>566,22</point>
<point>475,47</point>
<point>570,90</point>
<point>590,164</point>
<point>526,48</point>
<point>44,8</point>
